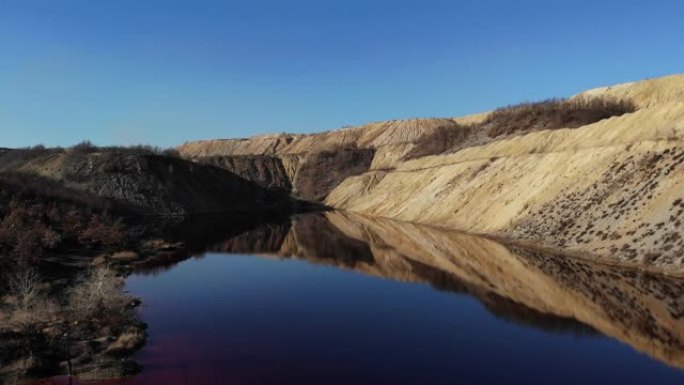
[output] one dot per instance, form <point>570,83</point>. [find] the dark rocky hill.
<point>149,183</point>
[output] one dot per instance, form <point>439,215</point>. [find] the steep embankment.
<point>611,190</point>
<point>265,170</point>
<point>150,184</point>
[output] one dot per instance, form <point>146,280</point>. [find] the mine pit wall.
<point>611,191</point>
<point>319,173</point>
<point>266,171</point>
<point>306,176</point>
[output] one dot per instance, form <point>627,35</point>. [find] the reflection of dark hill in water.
<point>310,237</point>
<point>318,239</point>
<point>197,234</point>
<point>549,292</point>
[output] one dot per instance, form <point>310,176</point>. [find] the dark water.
<point>229,319</point>
<point>334,298</point>
<point>340,312</point>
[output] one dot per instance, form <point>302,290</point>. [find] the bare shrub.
<point>24,230</point>
<point>442,139</point>
<point>28,302</point>
<point>29,226</point>
<point>86,147</point>
<point>519,120</point>
<point>321,172</point>
<point>98,295</point>
<point>24,286</point>
<point>103,232</point>
<point>553,114</point>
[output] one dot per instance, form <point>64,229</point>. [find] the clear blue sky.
<point>163,72</point>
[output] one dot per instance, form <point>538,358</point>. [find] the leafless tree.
<point>100,290</point>
<point>25,287</point>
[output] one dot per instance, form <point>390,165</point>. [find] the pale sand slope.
<point>610,191</point>
<point>645,93</point>
<point>372,135</point>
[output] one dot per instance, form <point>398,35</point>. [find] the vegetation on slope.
<point>552,114</point>
<point>265,170</point>
<point>38,215</point>
<point>441,140</point>
<point>520,119</point>
<point>13,159</point>
<point>89,328</point>
<point>321,172</point>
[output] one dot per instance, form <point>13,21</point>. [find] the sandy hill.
<point>372,135</point>
<point>300,156</point>
<point>611,190</point>
<point>647,93</point>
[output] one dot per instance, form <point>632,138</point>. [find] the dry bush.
<point>31,188</point>
<point>321,172</point>
<point>142,149</point>
<point>29,227</point>
<point>24,286</point>
<point>25,232</point>
<point>552,114</point>
<point>86,147</point>
<point>442,139</point>
<point>519,120</point>
<point>101,231</point>
<point>28,303</point>
<point>98,295</point>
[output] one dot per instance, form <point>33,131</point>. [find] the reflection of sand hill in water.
<point>638,308</point>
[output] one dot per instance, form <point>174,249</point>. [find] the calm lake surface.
<point>335,314</point>
<point>228,319</point>
<point>337,298</point>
